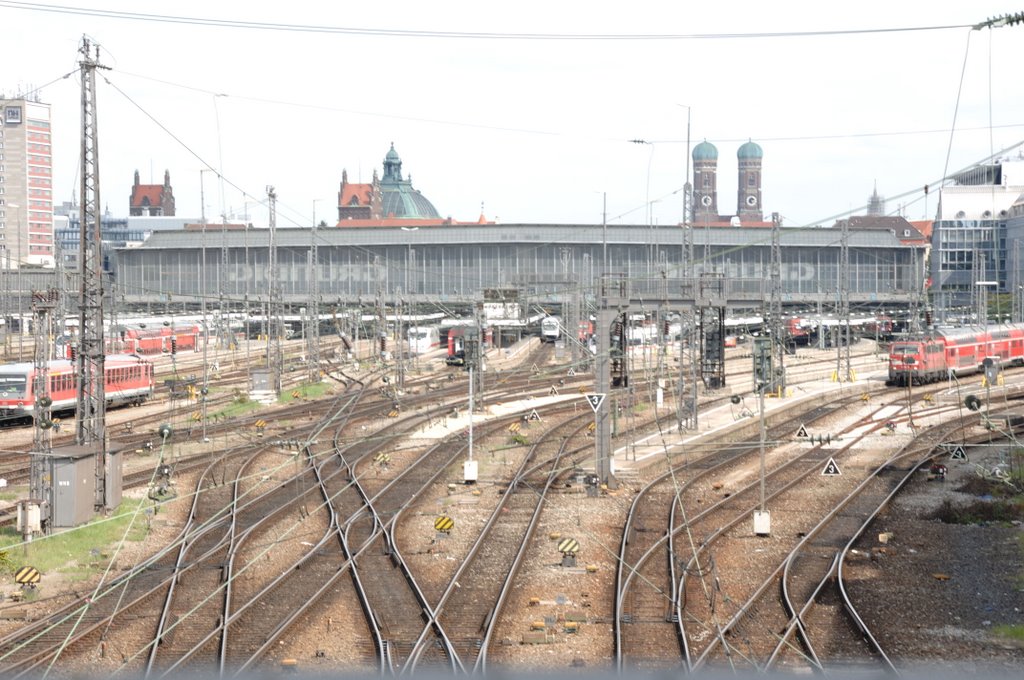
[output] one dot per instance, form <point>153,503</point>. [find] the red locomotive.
<point>959,352</point>
<point>456,347</point>
<point>798,331</point>
<point>161,339</point>
<point>128,380</point>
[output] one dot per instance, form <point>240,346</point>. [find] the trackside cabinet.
<point>74,485</point>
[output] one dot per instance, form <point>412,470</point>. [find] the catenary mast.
<point>91,413</point>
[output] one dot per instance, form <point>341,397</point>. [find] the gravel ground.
<point>935,593</point>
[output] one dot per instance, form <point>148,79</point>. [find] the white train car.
<point>423,339</point>
<point>550,328</point>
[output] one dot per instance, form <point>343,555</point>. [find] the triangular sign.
<point>571,373</point>
<point>802,432</point>
<point>831,469</point>
<point>533,415</point>
<point>958,453</point>
<point>553,391</point>
<point>595,400</point>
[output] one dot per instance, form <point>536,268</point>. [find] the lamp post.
<point>910,361</point>
<point>647,196</point>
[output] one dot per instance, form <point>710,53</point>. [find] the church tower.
<point>749,182</point>
<point>705,183</point>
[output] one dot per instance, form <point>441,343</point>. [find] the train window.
<point>903,349</point>
<point>13,386</point>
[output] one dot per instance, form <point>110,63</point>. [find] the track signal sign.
<point>444,524</point>
<point>568,546</point>
<point>595,400</point>
<point>27,576</point>
<point>831,469</point>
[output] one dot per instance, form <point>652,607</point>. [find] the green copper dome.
<point>398,198</point>
<point>705,151</point>
<point>749,151</point>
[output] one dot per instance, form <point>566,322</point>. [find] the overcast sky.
<point>534,128</point>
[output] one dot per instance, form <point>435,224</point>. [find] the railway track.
<point>358,510</point>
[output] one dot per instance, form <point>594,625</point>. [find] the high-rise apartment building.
<point>26,184</point>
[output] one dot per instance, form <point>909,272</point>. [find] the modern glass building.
<point>977,237</point>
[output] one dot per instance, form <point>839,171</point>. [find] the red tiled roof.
<point>153,192</point>
<point>361,192</point>
<point>923,226</point>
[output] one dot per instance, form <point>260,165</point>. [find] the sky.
<point>524,111</point>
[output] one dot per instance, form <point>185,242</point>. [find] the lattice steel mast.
<point>90,418</point>
<point>313,322</point>
<point>844,372</point>
<point>40,488</point>
<point>918,297</point>
<point>777,383</point>
<point>688,339</point>
<point>275,316</point>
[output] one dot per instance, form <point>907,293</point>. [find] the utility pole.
<point>275,320</point>
<point>688,338</point>
<point>401,342</point>
<point>90,416</point>
<point>844,372</point>
<point>225,335</point>
<point>916,295</point>
<point>205,389</point>
<point>41,461</point>
<point>777,382</point>
<point>313,324</point>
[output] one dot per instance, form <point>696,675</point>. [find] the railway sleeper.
<point>169,630</point>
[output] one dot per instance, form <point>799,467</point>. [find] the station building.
<point>391,243</point>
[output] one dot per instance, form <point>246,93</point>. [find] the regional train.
<point>160,339</point>
<point>456,347</point>
<point>925,359</point>
<point>128,379</point>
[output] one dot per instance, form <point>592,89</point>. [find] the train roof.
<point>26,366</point>
<point>996,332</point>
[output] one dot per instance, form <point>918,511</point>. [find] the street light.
<point>315,201</point>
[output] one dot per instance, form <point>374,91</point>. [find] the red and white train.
<point>958,352</point>
<point>160,339</point>
<point>128,380</point>
<point>456,347</point>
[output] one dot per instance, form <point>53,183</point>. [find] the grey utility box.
<point>74,485</point>
<point>262,379</point>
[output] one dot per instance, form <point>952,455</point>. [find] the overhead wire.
<point>449,34</point>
